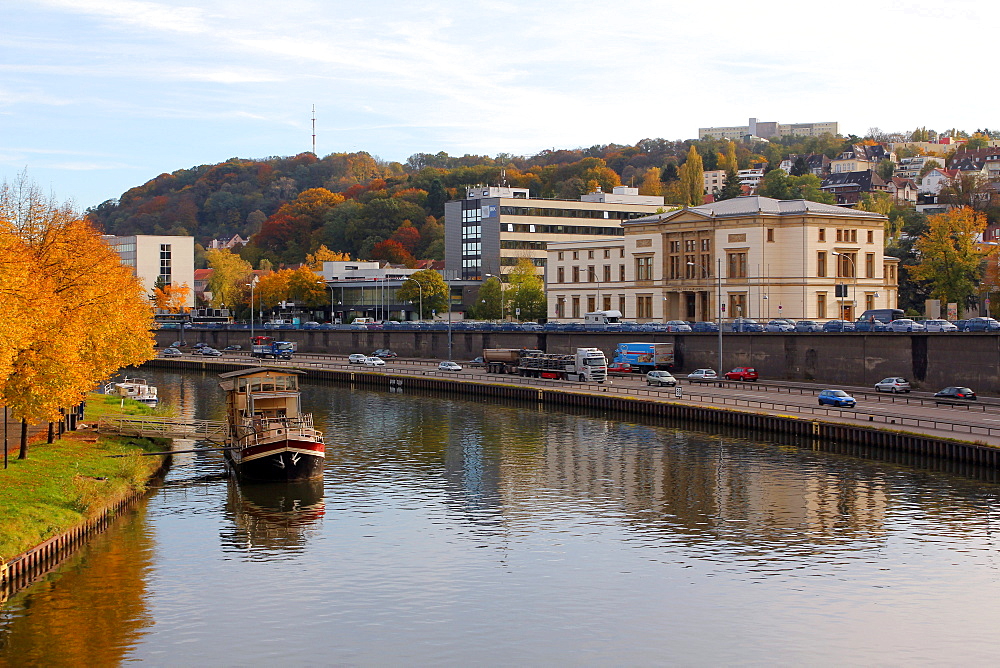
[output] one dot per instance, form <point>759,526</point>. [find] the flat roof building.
<point>151,257</point>
<point>769,129</point>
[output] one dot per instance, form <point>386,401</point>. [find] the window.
<point>621,304</point>
<point>607,273</point>
<point>607,254</point>
<point>869,302</point>
<point>576,307</point>
<point>560,307</point>
<point>644,306</point>
<point>621,273</point>
<point>675,266</point>
<point>737,305</point>
<point>561,275</point>
<point>576,274</point>
<point>846,265</point>
<point>621,252</point>
<point>691,267</point>
<point>689,245</point>
<point>607,303</point>
<point>871,236</point>
<point>737,264</point>
<point>590,255</point>
<point>675,247</point>
<point>644,268</point>
<point>591,304</point>
<point>706,245</point>
<point>820,304</point>
<point>561,255</point>
<point>821,264</point>
<point>822,234</point>
<point>869,265</point>
<point>576,255</point>
<point>591,275</point>
<point>770,234</point>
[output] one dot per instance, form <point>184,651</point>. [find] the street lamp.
<point>502,291</point>
<point>854,275</point>
<point>251,284</point>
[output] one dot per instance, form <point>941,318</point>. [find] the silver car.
<point>699,375</point>
<point>893,384</point>
<point>940,326</point>
<point>357,358</point>
<point>660,378</point>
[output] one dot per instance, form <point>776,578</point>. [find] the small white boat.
<point>136,389</point>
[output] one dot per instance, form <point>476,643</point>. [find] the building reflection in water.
<point>272,517</point>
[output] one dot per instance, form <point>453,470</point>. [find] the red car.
<point>742,373</point>
<point>620,367</point>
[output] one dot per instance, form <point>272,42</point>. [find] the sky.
<point>99,96</point>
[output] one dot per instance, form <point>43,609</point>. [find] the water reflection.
<point>271,518</point>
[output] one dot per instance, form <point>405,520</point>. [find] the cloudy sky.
<point>97,96</point>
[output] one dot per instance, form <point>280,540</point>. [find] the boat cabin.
<point>261,394</point>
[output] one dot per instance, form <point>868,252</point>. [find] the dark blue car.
<point>837,398</point>
<point>982,325</point>
<point>838,326</point>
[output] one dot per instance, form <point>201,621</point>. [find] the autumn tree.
<point>692,178</point>
<point>229,273</point>
<point>392,252</point>
<point>431,295</point>
<point>89,315</point>
<point>323,254</point>
<point>951,257</point>
<point>172,298</point>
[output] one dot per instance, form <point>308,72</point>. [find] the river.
<point>458,532</point>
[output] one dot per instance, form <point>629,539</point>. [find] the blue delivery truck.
<point>646,356</point>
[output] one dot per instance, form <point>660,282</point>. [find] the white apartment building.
<point>768,129</point>
<point>152,257</point>
<point>715,180</point>
<point>749,256</point>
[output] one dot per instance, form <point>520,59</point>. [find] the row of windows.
<point>512,261</point>
<point>472,249</point>
<point>843,235</point>
<point>590,274</point>
<point>590,253</point>
<point>575,311</point>
<point>513,244</point>
<point>569,213</point>
<point>472,231</point>
<point>566,229</point>
<point>691,245</point>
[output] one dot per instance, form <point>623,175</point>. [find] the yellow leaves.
<point>88,314</point>
<point>230,273</point>
<point>324,254</point>
<point>302,285</point>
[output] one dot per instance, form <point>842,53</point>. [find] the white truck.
<point>585,365</point>
<point>601,319</point>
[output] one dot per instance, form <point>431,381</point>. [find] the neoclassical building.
<point>754,256</point>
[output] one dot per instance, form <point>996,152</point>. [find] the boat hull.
<point>280,460</point>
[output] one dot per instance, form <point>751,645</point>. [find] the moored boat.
<point>136,389</point>
<point>271,439</point>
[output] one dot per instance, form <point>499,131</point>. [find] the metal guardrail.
<point>159,427</point>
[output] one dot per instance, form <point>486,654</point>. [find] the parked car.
<point>172,352</point>
<point>747,325</point>
<point>871,325</point>
<point>705,326</point>
<point>838,326</point>
<point>310,324</point>
<point>745,373</point>
<point>200,345</point>
<point>808,326</point>
<point>356,358</point>
<point>893,384</point>
<point>620,367</point>
<point>448,365</point>
<point>837,398</point>
<point>982,325</point>
<point>905,325</point>
<point>374,361</point>
<point>962,393</point>
<point>678,326</point>
<point>233,347</point>
<point>779,325</point>
<point>211,352</point>
<point>962,325</point>
<point>384,353</point>
<point>940,326</point>
<point>699,375</point>
<point>660,379</point>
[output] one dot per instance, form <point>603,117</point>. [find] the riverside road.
<point>916,412</point>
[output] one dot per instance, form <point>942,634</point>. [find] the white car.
<point>449,366</point>
<point>660,378</point>
<point>357,358</point>
<point>940,326</point>
<point>905,325</point>
<point>702,374</point>
<point>374,361</point>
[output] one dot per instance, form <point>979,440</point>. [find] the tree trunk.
<point>52,433</point>
<point>24,440</point>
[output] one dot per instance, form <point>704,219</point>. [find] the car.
<point>660,379</point>
<point>837,398</point>
<point>871,325</point>
<point>177,344</point>
<point>384,353</point>
<point>963,393</point>
<point>356,358</point>
<point>747,325</point>
<point>893,384</point>
<point>678,326</point>
<point>982,325</point>
<point>478,362</point>
<point>171,352</point>
<point>808,326</point>
<point>200,345</point>
<point>905,325</point>
<point>940,326</point>
<point>699,375</point>
<point>211,352</point>
<point>705,326</point>
<point>838,326</point>
<point>374,361</point>
<point>742,373</point>
<point>448,365</point>
<point>962,325</point>
<point>620,367</point>
<point>310,324</point>
<point>779,325</point>
<point>233,347</point>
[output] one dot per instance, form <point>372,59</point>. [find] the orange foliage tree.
<point>172,298</point>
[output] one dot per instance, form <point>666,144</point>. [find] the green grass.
<point>62,484</point>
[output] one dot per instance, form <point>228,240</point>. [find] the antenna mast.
<point>314,129</point>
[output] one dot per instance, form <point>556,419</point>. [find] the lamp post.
<point>251,284</point>
<point>854,275</point>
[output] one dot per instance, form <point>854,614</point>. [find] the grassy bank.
<point>64,483</point>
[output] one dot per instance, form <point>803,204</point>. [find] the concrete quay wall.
<point>929,361</point>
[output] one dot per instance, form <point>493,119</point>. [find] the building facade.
<point>168,259</point>
<point>745,257</point>
<point>769,129</point>
<point>494,228</point>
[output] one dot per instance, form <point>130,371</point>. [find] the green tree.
<point>490,299</point>
<point>526,291</point>
<point>431,295</point>
<point>731,188</point>
<point>229,272</point>
<point>775,185</point>
<point>951,258</point>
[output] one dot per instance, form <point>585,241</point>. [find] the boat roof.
<point>274,371</point>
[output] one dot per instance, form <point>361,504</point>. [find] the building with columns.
<point>752,256</point>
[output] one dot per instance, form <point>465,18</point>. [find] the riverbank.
<point>67,483</point>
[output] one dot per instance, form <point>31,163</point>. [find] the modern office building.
<point>493,228</point>
<point>749,256</point>
<point>152,258</point>
<point>769,129</point>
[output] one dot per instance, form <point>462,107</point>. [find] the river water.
<point>455,532</point>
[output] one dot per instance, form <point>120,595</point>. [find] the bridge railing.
<point>160,427</point>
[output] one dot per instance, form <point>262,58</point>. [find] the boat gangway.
<point>164,427</point>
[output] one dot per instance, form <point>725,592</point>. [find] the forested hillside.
<point>369,208</point>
